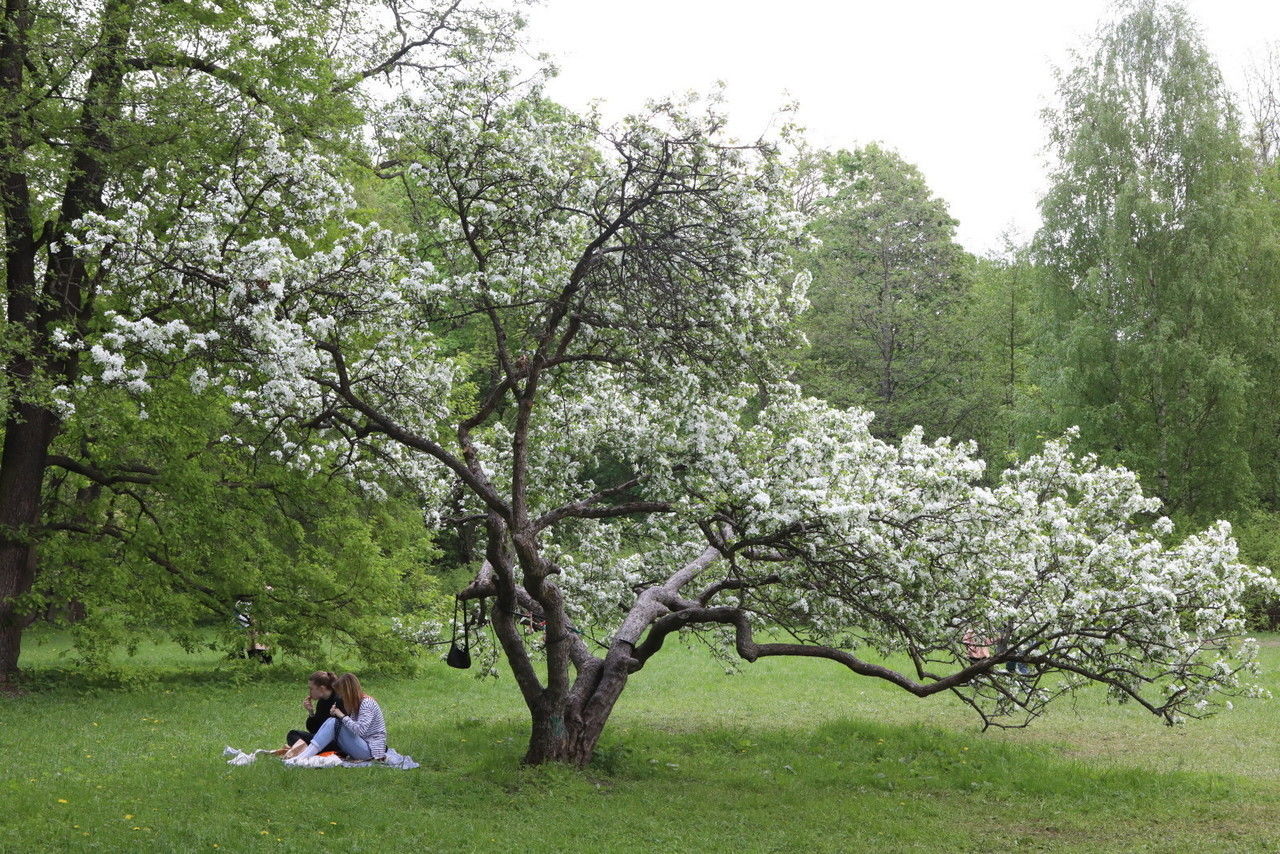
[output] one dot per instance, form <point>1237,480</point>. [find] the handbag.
<point>459,656</point>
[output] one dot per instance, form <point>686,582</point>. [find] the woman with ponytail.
<point>321,699</point>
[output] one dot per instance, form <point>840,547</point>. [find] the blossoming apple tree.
<point>577,333</point>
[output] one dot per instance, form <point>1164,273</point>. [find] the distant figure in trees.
<point>254,649</point>
<point>1016,665</point>
<point>977,648</point>
<point>360,733</point>
<point>321,700</point>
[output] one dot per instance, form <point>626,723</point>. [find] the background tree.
<point>1003,326</point>
<point>1153,332</point>
<point>194,510</point>
<point>100,100</point>
<point>888,297</point>
<point>1262,102</point>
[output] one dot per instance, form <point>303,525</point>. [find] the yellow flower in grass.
<point>63,801</point>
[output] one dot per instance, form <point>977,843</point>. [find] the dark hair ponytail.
<point>323,678</point>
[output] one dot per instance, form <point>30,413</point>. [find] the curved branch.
<point>749,650</point>
<point>194,63</point>
<point>342,388</point>
<point>407,47</point>
<point>136,474</point>
<point>587,509</point>
<point>736,584</point>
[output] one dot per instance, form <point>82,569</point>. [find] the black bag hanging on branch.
<point>459,656</point>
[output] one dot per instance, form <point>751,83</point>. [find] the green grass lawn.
<point>784,756</point>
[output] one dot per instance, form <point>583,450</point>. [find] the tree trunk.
<point>569,732</point>
<point>22,462</point>
<point>558,737</point>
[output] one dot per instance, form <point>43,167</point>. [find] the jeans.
<point>348,742</point>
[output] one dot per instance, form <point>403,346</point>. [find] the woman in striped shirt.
<point>360,731</point>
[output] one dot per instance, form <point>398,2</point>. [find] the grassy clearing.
<point>785,756</point>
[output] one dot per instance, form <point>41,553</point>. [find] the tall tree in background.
<point>101,102</point>
<point>1263,105</point>
<point>1153,329</point>
<point>889,283</point>
<point>1002,328</point>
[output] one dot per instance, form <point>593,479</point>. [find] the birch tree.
<point>1155,328</point>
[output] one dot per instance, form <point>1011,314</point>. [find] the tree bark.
<point>569,731</point>
<point>30,428</point>
<point>27,436</point>
<point>22,455</point>
<point>557,737</point>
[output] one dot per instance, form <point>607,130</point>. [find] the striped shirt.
<point>369,725</point>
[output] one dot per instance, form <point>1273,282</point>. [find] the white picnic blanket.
<point>393,760</point>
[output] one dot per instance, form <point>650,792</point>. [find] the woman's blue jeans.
<point>348,742</point>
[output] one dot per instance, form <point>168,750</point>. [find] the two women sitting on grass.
<point>354,724</point>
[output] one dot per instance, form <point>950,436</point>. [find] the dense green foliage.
<point>135,110</point>
<point>888,298</point>
<point>1154,327</point>
<point>205,520</point>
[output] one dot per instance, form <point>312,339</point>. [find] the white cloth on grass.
<point>393,760</point>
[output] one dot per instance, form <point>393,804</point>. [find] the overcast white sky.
<point>956,86</point>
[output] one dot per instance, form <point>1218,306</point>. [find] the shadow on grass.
<point>845,754</point>
<point>854,782</point>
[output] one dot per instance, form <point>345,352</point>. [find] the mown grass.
<point>784,756</point>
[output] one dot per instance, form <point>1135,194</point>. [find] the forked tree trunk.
<point>561,738</point>
<point>568,732</point>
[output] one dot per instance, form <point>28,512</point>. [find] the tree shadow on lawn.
<point>129,676</point>
<point>857,783</point>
